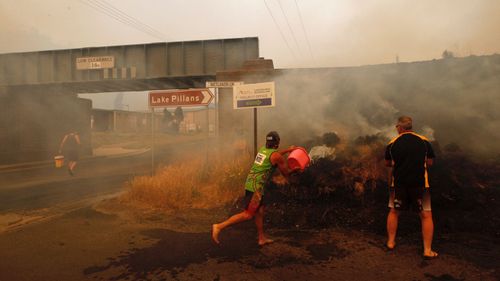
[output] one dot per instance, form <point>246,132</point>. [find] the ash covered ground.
<point>328,224</point>
<point>349,190</point>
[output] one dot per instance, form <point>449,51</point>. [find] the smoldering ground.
<point>361,105</point>
<point>452,101</point>
<point>350,191</point>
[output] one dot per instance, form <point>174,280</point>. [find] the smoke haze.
<point>450,100</point>
<point>339,33</point>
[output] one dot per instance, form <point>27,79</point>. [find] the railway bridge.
<point>39,90</point>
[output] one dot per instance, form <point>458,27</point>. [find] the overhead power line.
<point>113,12</point>
<point>140,23</point>
<point>290,28</point>
<point>279,29</point>
<point>121,16</point>
<point>305,33</point>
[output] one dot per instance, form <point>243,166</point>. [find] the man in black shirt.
<point>408,157</point>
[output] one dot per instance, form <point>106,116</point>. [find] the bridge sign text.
<point>95,62</point>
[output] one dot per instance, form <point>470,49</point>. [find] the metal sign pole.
<point>208,122</point>
<point>152,141</point>
<point>255,131</point>
<point>208,134</point>
<point>216,125</point>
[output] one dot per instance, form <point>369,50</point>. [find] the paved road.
<point>44,186</point>
<point>40,185</point>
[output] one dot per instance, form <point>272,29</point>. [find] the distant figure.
<point>70,146</point>
<point>408,156</point>
<point>179,114</point>
<point>178,118</point>
<point>167,120</point>
<point>267,160</point>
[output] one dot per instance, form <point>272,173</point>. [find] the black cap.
<point>273,136</point>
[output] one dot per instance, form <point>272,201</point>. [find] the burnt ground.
<point>111,241</point>
<point>328,224</point>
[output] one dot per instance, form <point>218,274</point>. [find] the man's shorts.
<point>402,198</point>
<point>72,155</point>
<point>247,200</point>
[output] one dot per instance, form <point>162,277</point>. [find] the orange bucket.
<point>298,158</point>
<point>59,161</point>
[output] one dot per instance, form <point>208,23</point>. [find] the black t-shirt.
<point>71,142</point>
<point>408,153</point>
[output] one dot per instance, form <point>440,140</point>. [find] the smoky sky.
<point>337,33</point>
<point>455,102</point>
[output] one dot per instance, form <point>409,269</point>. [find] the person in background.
<point>266,161</point>
<point>70,146</point>
<point>408,156</point>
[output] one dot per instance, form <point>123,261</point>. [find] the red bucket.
<point>298,158</point>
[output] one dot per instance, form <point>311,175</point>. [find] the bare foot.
<point>430,255</point>
<point>390,246</point>
<point>265,241</point>
<point>215,233</point>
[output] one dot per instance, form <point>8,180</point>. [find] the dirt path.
<point>109,242</point>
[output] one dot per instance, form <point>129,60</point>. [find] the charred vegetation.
<point>350,190</point>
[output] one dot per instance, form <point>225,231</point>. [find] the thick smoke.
<point>36,123</point>
<point>451,101</point>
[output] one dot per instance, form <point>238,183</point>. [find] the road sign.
<point>193,97</point>
<point>95,62</point>
<point>222,84</point>
<point>254,95</point>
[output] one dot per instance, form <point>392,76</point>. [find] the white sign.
<point>95,62</point>
<point>222,84</point>
<point>254,95</point>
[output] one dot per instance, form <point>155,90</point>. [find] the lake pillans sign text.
<point>195,97</point>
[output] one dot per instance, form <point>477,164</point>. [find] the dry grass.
<point>191,184</point>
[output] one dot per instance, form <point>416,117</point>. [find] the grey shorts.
<point>402,198</point>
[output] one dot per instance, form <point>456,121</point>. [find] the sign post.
<point>254,96</point>
<point>191,97</point>
<point>152,141</point>
<point>222,84</point>
<point>217,85</point>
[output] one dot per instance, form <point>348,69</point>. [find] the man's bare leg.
<point>72,166</point>
<point>259,222</point>
<point>427,233</point>
<point>218,227</point>
<point>392,227</point>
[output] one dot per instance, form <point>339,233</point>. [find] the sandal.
<point>433,255</point>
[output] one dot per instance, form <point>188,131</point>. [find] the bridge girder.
<point>124,68</point>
